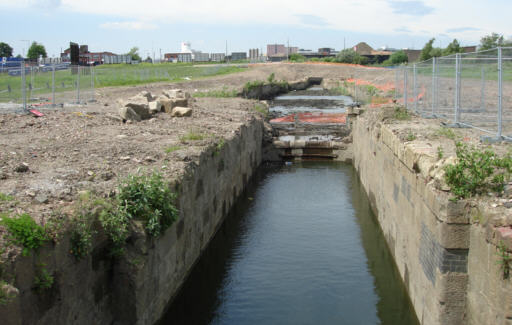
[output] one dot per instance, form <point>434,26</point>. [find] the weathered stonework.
<point>427,235</point>
<point>137,288</point>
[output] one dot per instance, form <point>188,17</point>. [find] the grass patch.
<point>446,133</point>
<point>222,93</point>
<point>477,172</point>
<point>193,136</point>
<point>81,227</point>
<point>260,109</point>
<point>6,198</point>
<point>24,231</point>
<point>112,75</point>
<point>410,136</point>
<point>172,149</point>
<point>401,113</point>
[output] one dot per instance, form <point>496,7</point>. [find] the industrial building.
<point>237,56</point>
<point>218,57</point>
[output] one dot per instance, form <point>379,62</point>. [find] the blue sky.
<point>151,25</point>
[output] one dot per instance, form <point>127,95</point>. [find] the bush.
<point>350,56</point>
<point>25,232</point>
<point>477,171</point>
<point>398,58</point>
<point>81,235</point>
<point>149,199</point>
<point>296,57</point>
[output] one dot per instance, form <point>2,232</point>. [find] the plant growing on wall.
<point>477,171</point>
<point>504,260</point>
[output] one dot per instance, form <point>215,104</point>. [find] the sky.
<point>161,25</point>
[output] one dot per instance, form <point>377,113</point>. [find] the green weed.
<point>192,136</point>
<point>5,297</point>
<point>260,109</point>
<point>401,113</point>
<point>223,93</point>
<point>440,152</point>
<point>149,199</point>
<point>172,149</point>
<point>5,197</point>
<point>446,133</point>
<point>43,280</point>
<point>477,171</point>
<point>410,136</point>
<point>25,231</point>
<point>504,260</point>
<point>219,147</point>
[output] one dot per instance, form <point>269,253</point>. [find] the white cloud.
<point>128,25</point>
<point>417,17</point>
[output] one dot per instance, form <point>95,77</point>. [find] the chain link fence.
<point>469,89</point>
<point>49,85</point>
<point>27,86</point>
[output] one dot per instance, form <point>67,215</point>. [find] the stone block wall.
<point>137,288</point>
<point>427,234</point>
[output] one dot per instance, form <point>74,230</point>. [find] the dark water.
<point>301,246</point>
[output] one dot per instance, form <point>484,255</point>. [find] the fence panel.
<point>479,90</point>
<point>507,92</point>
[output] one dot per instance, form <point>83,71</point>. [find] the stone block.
<point>181,111</point>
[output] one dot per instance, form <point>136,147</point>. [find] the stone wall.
<point>427,234</point>
<point>137,288</point>
<point>489,298</point>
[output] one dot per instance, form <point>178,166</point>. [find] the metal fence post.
<point>434,94</point>
<point>500,92</point>
<point>53,84</point>
<point>482,91</point>
<point>457,88</point>
<point>92,84</point>
<point>23,85</point>
<point>396,85</point>
<point>78,85</point>
<point>405,87</point>
<point>355,87</point>
<point>414,88</point>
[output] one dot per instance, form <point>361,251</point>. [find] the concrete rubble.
<point>144,105</point>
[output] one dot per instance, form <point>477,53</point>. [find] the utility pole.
<point>288,50</point>
<point>344,43</point>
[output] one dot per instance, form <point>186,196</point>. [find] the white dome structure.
<point>186,47</point>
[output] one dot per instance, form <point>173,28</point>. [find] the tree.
<point>5,50</point>
<point>398,58</point>
<point>36,50</point>
<point>350,56</point>
<point>426,50</point>
<point>452,48</point>
<point>492,41</point>
<point>134,53</point>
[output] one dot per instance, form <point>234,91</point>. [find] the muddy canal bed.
<point>301,246</point>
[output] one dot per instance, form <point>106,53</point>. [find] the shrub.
<point>149,199</point>
<point>398,58</point>
<point>401,113</point>
<point>81,236</point>
<point>43,280</point>
<point>350,56</point>
<point>477,171</point>
<point>296,57</point>
<point>251,85</point>
<point>25,232</point>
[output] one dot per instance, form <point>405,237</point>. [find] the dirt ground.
<point>46,161</point>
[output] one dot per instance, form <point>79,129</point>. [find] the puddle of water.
<point>301,246</point>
